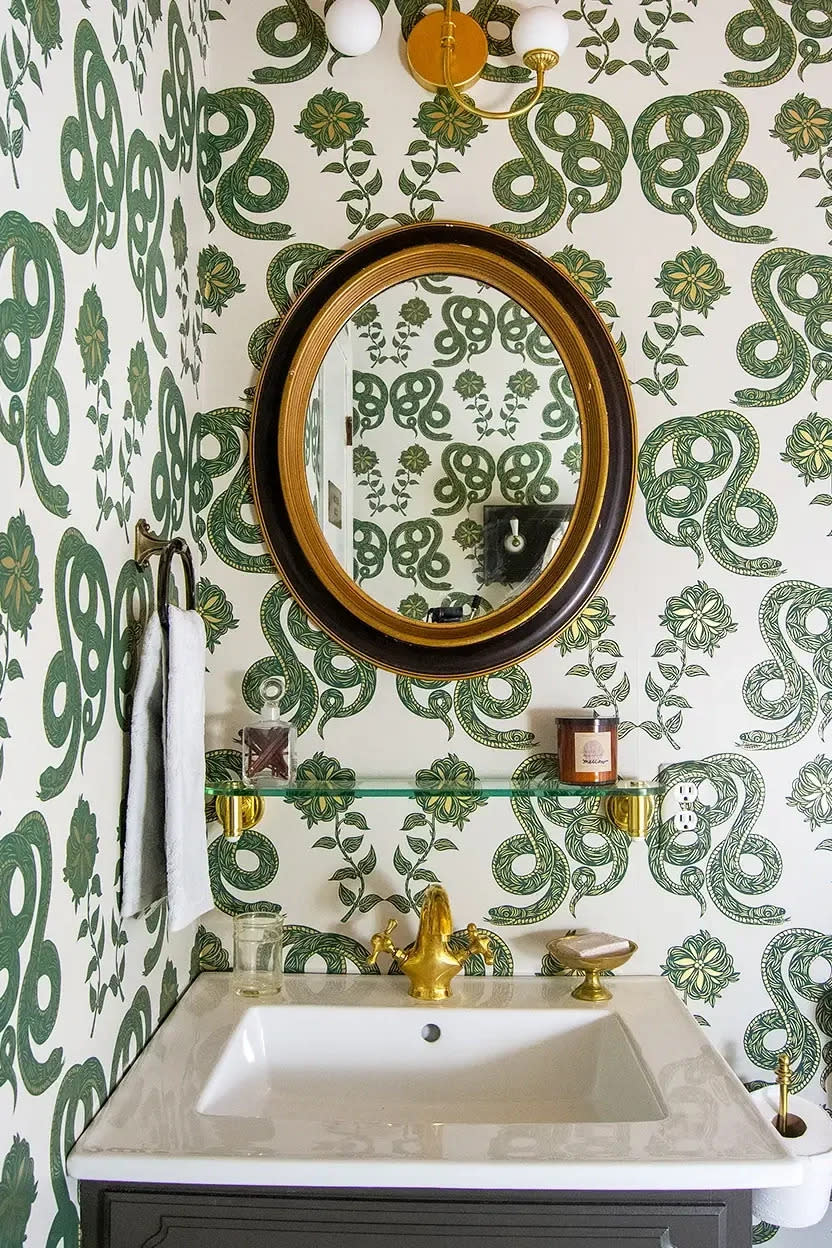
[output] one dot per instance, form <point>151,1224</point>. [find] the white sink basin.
<point>485,1066</point>
<point>336,1085</point>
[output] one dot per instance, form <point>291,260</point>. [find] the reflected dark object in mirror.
<point>510,564</point>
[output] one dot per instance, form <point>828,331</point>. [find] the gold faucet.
<point>430,963</point>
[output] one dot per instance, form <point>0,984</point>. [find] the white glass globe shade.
<point>536,28</point>
<point>353,27</point>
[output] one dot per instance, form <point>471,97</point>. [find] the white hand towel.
<point>189,888</point>
<point>143,867</point>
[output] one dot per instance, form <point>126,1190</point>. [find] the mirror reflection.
<point>443,448</point>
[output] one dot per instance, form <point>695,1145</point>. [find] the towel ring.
<point>149,544</point>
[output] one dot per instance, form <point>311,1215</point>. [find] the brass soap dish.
<point>591,989</point>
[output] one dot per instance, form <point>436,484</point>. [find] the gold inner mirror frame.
<point>510,279</point>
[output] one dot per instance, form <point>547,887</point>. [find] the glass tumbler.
<point>258,953</point>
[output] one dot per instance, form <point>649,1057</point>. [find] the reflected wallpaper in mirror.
<point>442,448</point>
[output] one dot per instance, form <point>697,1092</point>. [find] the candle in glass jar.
<point>588,749</point>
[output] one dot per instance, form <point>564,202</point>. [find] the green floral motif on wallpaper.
<point>586,632</point>
<point>590,117</point>
<point>725,443</point>
<point>806,130</point>
<point>18,1191</point>
<point>36,421</point>
<point>446,127</point>
<point>20,594</point>
<point>698,619</point>
<point>669,160</point>
<point>136,410</point>
<point>35,22</point>
<point>531,862</point>
<point>777,282</point>
<point>812,794</point>
<point>92,337</point>
<point>33,987</point>
<point>591,276</point>
<point>331,803</point>
<point>331,122</point>
<point>139,20</point>
<point>730,790</point>
<point>449,795</point>
<point>809,450</point>
<point>653,33</point>
<point>780,688</point>
<point>693,282</point>
<point>246,127</point>
<point>700,968</point>
<point>759,33</point>
<point>789,965</point>
<point>85,885</point>
<point>216,611</point>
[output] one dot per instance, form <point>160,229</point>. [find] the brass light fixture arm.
<point>540,60</point>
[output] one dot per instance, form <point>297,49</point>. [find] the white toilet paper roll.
<point>805,1204</point>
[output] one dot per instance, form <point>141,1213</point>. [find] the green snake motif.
<point>223,866</point>
<point>369,550</point>
<point>237,540</point>
<point>792,355</point>
<point>234,194</point>
<point>302,51</point>
<point>561,415</point>
<point>169,474</point>
<point>83,608</point>
<point>469,330</point>
<point>414,547</point>
<point>674,162</point>
<point>778,41</point>
<point>521,472</point>
<point>549,876</point>
<point>83,1086</point>
<point>799,701</point>
<point>469,478</point>
<point>547,196</point>
<point>97,188</point>
<point>370,397</point>
<point>680,493</point>
<point>133,603</point>
<point>178,98</point>
<point>334,667</point>
<point>740,797</point>
<point>790,955</point>
<point>475,695</point>
<point>439,701</point>
<point>133,1034</point>
<point>414,402</point>
<point>25,319</point>
<point>336,951</point>
<point>156,920</point>
<point>145,200</point>
<point>288,273</point>
<point>26,857</point>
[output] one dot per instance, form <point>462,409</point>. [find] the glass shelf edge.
<point>394,787</point>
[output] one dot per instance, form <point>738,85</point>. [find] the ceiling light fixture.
<point>449,50</point>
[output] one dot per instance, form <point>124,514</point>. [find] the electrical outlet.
<point>685,820</point>
<point>685,793</point>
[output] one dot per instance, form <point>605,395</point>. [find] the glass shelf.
<point>403,786</point>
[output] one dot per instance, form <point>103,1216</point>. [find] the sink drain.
<point>431,1032</point>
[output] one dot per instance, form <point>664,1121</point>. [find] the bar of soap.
<point>595,944</point>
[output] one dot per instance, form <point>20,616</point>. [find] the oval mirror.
<point>442,450</point>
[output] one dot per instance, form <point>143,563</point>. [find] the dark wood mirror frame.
<point>608,433</point>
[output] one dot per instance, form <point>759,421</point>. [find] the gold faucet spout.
<point>430,963</point>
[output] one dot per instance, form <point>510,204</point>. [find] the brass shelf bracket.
<point>631,812</point>
<point>238,812</point>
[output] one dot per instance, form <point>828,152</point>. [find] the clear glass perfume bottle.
<point>269,744</point>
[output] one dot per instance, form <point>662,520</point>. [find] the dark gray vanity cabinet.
<point>124,1215</point>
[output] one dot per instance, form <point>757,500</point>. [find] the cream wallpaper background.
<point>679,167</point>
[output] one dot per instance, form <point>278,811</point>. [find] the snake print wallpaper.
<point>173,173</point>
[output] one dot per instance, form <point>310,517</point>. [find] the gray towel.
<point>143,867</point>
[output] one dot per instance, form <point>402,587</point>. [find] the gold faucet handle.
<point>381,942</point>
<point>479,944</point>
